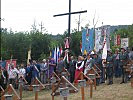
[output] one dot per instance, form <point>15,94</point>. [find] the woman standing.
<point>79,67</point>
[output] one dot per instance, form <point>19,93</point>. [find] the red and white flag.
<point>104,54</point>
<point>61,51</point>
<point>67,43</point>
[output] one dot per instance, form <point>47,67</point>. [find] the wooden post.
<point>91,90</point>
<point>82,88</point>
<point>64,85</point>
<point>65,98</point>
<point>132,82</point>
<point>52,90</point>
<point>95,83</point>
<point>36,95</point>
<point>20,91</point>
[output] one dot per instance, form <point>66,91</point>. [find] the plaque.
<point>8,97</point>
<point>36,88</point>
<point>81,83</point>
<point>64,92</point>
<point>92,76</point>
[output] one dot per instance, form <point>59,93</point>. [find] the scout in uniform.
<point>98,63</point>
<point>110,67</point>
<point>116,60</point>
<point>123,62</point>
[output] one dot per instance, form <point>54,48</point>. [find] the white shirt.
<point>22,72</point>
<point>13,73</point>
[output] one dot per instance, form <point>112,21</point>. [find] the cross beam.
<point>69,17</point>
<point>70,13</point>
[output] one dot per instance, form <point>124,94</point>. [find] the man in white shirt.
<point>12,72</point>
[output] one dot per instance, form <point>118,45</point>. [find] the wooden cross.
<point>69,16</point>
<point>81,76</point>
<point>62,84</point>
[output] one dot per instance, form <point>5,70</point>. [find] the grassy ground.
<point>104,92</point>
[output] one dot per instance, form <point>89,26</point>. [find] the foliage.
<point>124,33</point>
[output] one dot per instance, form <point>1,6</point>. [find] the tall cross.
<point>69,16</point>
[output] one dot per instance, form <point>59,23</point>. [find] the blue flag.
<point>83,40</point>
<point>91,39</point>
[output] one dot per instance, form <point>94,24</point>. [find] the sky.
<point>20,15</point>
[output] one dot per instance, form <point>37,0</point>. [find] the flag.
<point>98,42</point>
<point>3,63</point>
<point>58,55</point>
<point>29,55</point>
<point>52,56</point>
<point>107,32</point>
<point>66,58</point>
<point>61,51</point>
<point>91,39</point>
<point>118,40</point>
<point>104,54</point>
<point>66,43</point>
<point>83,40</point>
<point>85,52</point>
<point>55,54</point>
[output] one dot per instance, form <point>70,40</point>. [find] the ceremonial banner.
<point>3,63</point>
<point>124,42</point>
<point>91,39</point>
<point>8,62</point>
<point>107,32</point>
<point>29,55</point>
<point>55,54</point>
<point>104,54</point>
<point>52,56</point>
<point>66,43</point>
<point>58,55</point>
<point>118,40</point>
<point>61,51</point>
<point>98,42</point>
<point>83,40</point>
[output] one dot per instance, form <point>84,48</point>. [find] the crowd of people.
<point>114,65</point>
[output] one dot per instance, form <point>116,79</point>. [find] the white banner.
<point>124,42</point>
<point>98,42</point>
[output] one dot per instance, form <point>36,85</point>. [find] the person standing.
<point>51,67</point>
<point>116,61</point>
<point>4,77</point>
<point>72,69</point>
<point>79,67</point>
<point>35,70</point>
<point>22,71</point>
<point>43,68</point>
<point>89,64</point>
<point>98,63</point>
<point>28,76</point>
<point>60,66</point>
<point>123,62</point>
<point>131,54</point>
<point>13,73</point>
<point>110,67</point>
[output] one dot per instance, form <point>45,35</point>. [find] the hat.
<point>44,60</point>
<point>92,53</point>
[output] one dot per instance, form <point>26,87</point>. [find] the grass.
<point>104,92</point>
